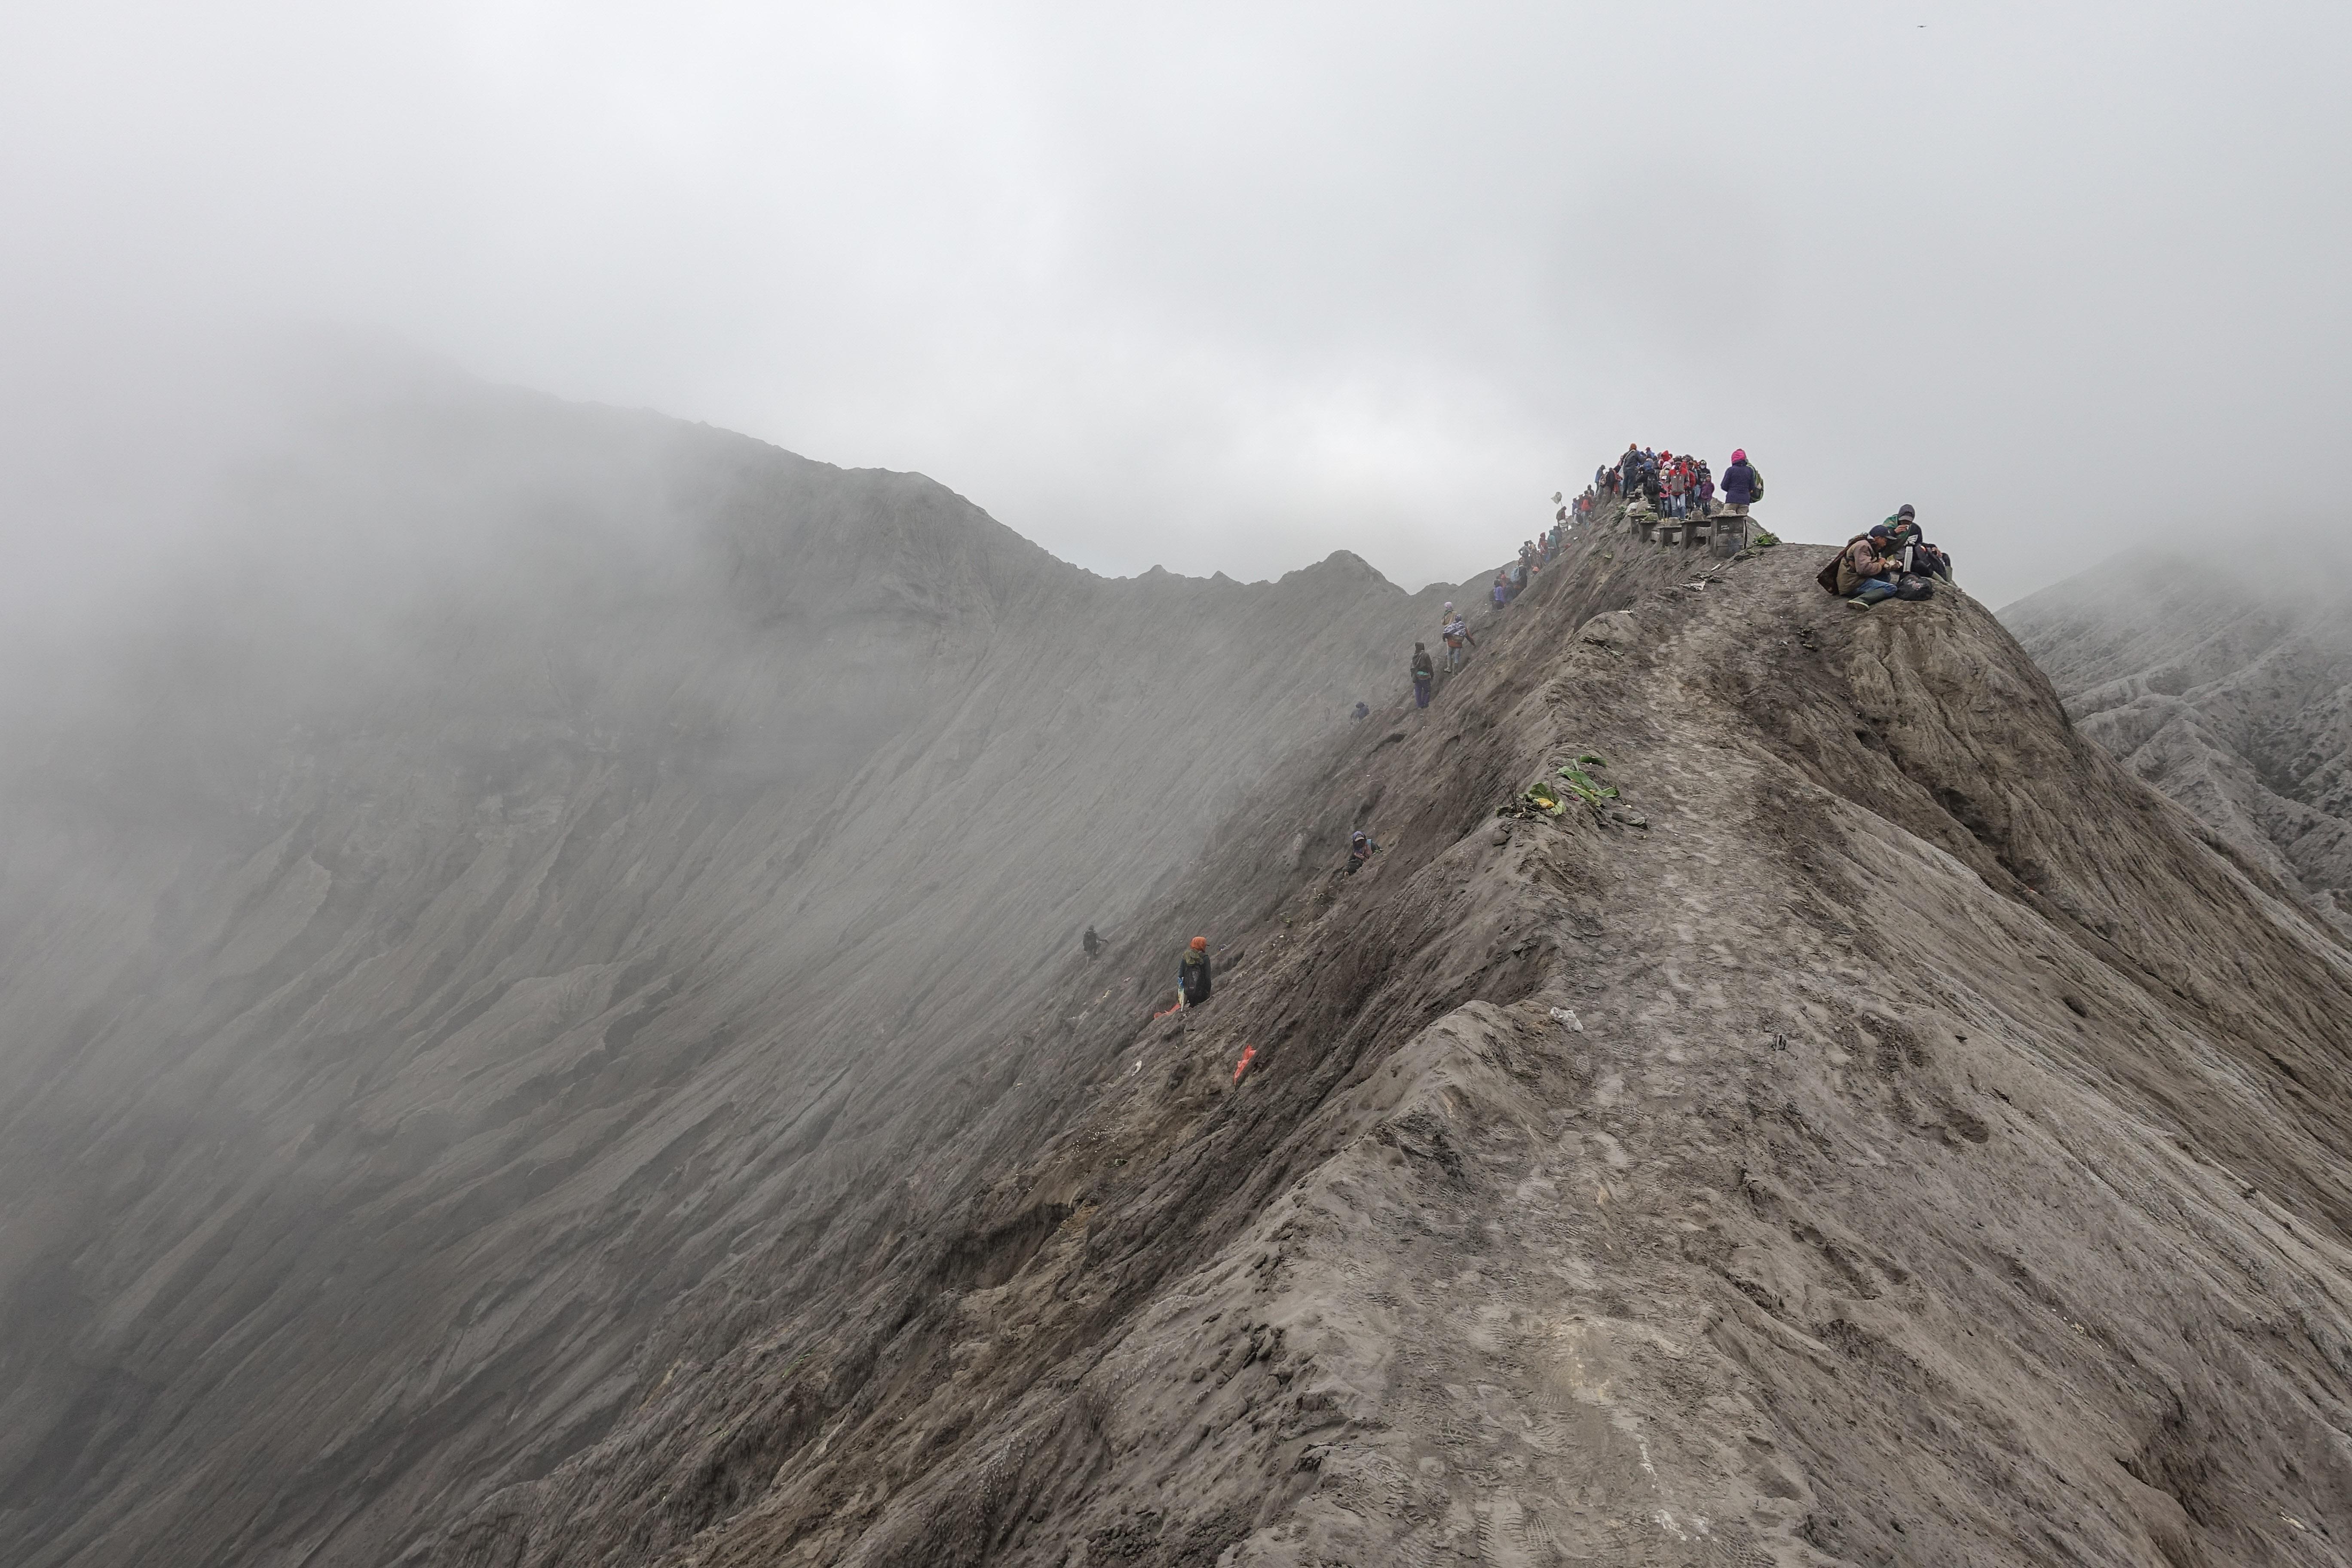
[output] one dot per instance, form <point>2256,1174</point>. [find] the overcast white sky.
<point>1227,288</point>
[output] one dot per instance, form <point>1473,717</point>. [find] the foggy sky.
<point>1228,288</point>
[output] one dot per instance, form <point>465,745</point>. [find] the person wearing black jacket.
<point>1192,974</point>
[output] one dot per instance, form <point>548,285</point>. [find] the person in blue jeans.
<point>1424,671</point>
<point>1865,574</point>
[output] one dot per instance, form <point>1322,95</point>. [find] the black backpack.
<point>1911,586</point>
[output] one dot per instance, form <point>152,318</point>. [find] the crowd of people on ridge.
<point>1893,559</point>
<point>1673,484</point>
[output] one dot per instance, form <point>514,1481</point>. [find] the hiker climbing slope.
<point>1423,672</point>
<point>1457,633</point>
<point>1192,974</point>
<point>1091,942</point>
<point>1360,850</point>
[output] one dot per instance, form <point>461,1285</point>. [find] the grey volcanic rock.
<point>1918,1144</point>
<point>567,884</point>
<point>2233,696</point>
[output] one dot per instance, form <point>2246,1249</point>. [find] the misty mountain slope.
<point>2234,698</point>
<point>1917,1144</point>
<point>553,866</point>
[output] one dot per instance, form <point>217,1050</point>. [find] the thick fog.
<point>1225,288</point>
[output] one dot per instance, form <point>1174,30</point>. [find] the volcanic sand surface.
<point>1943,1161</point>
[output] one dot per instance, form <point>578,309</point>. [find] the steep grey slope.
<point>2231,693</point>
<point>532,815</point>
<point>1911,1141</point>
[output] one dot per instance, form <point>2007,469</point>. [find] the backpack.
<point>1192,978</point>
<point>1828,575</point>
<point>1911,587</point>
<point>1755,483</point>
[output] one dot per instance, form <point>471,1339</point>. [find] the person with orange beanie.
<point>1192,974</point>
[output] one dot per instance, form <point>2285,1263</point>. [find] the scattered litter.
<point>1590,760</point>
<point>1569,1018</point>
<point>1136,1069</point>
<point>1249,1054</point>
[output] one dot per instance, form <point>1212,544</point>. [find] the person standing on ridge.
<point>1423,672</point>
<point>1743,486</point>
<point>1091,942</point>
<point>1192,974</point>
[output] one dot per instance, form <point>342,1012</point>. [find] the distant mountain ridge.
<point>524,812</point>
<point>2233,696</point>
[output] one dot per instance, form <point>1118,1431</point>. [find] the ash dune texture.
<point>1917,1144</point>
<point>531,1108</point>
<point>2231,694</point>
<point>558,894</point>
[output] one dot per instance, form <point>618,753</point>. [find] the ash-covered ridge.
<point>603,1075</point>
<point>1911,1141</point>
<point>548,877</point>
<point>2229,689</point>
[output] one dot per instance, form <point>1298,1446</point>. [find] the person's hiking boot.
<point>1857,603</point>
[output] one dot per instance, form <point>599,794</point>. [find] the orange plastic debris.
<point>1241,1067</point>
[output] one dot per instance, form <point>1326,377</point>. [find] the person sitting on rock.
<point>1865,575</point>
<point>1192,974</point>
<point>1912,550</point>
<point>1361,848</point>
